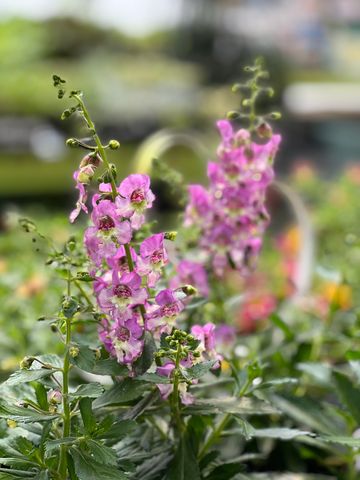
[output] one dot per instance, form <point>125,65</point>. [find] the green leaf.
<point>91,390</point>
<point>143,363</point>
<point>88,469</point>
<point>101,453</point>
<point>306,411</point>
<point>320,372</point>
<point>87,414</point>
<point>85,360</point>
<point>54,444</point>
<point>122,392</point>
<point>198,370</point>
<point>117,430</point>
<point>349,395</point>
<point>248,431</point>
<point>277,382</point>
<point>23,415</point>
<point>25,376</point>
<point>154,378</point>
<point>236,406</point>
<point>348,441</point>
<point>225,471</point>
<point>184,465</point>
<point>109,366</point>
<point>41,396</point>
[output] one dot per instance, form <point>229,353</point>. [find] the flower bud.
<point>54,397</point>
<point>189,290</point>
<point>170,235</point>
<point>72,142</point>
<point>275,115</point>
<point>74,351</point>
<point>90,159</point>
<point>232,115</point>
<point>114,144</point>
<point>264,130</point>
<point>11,423</point>
<point>26,363</point>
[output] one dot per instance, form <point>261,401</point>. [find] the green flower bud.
<point>232,115</point>
<point>26,363</point>
<point>170,235</point>
<point>196,354</point>
<point>11,423</point>
<point>74,351</point>
<point>189,290</point>
<point>114,144</point>
<point>275,115</point>
<point>72,142</point>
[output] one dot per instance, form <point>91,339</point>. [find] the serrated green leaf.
<point>109,366</point>
<point>85,360</point>
<point>23,415</point>
<point>26,376</point>
<point>198,370</point>
<point>91,390</point>
<point>154,378</point>
<point>236,406</point>
<point>87,414</point>
<point>101,453</point>
<point>121,392</point>
<point>50,445</point>
<point>87,469</point>
<point>41,396</point>
<point>117,430</point>
<point>348,393</point>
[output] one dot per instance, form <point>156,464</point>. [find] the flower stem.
<point>99,145</point>
<point>65,396</point>
<point>175,394</point>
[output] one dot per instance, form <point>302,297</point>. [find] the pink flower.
<point>199,205</point>
<point>169,307</point>
<point>135,197</point>
<point>206,335</point>
<point>153,257</point>
<point>167,388</point>
<point>123,338</point>
<point>122,293</point>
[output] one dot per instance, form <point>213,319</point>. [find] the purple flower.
<point>119,262</point>
<point>191,273</point>
<point>199,205</point>
<point>80,204</point>
<point>135,196</point>
<point>167,388</point>
<point>123,338</point>
<point>83,177</point>
<point>153,257</point>
<point>206,335</point>
<point>163,317</point>
<point>122,293</point>
<point>109,230</point>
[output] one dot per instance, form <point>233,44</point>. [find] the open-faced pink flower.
<point>168,309</point>
<point>135,197</point>
<point>122,338</point>
<point>122,293</point>
<point>153,257</point>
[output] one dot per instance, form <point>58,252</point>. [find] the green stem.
<point>175,393</point>
<point>83,293</point>
<point>99,145</point>
<point>65,395</point>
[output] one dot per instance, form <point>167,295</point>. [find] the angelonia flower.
<point>230,214</point>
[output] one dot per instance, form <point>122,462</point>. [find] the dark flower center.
<point>157,256</point>
<point>123,334</point>
<point>122,291</point>
<point>137,196</point>
<point>106,223</point>
<point>170,310</point>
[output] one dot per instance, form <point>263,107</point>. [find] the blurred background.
<point>148,65</point>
